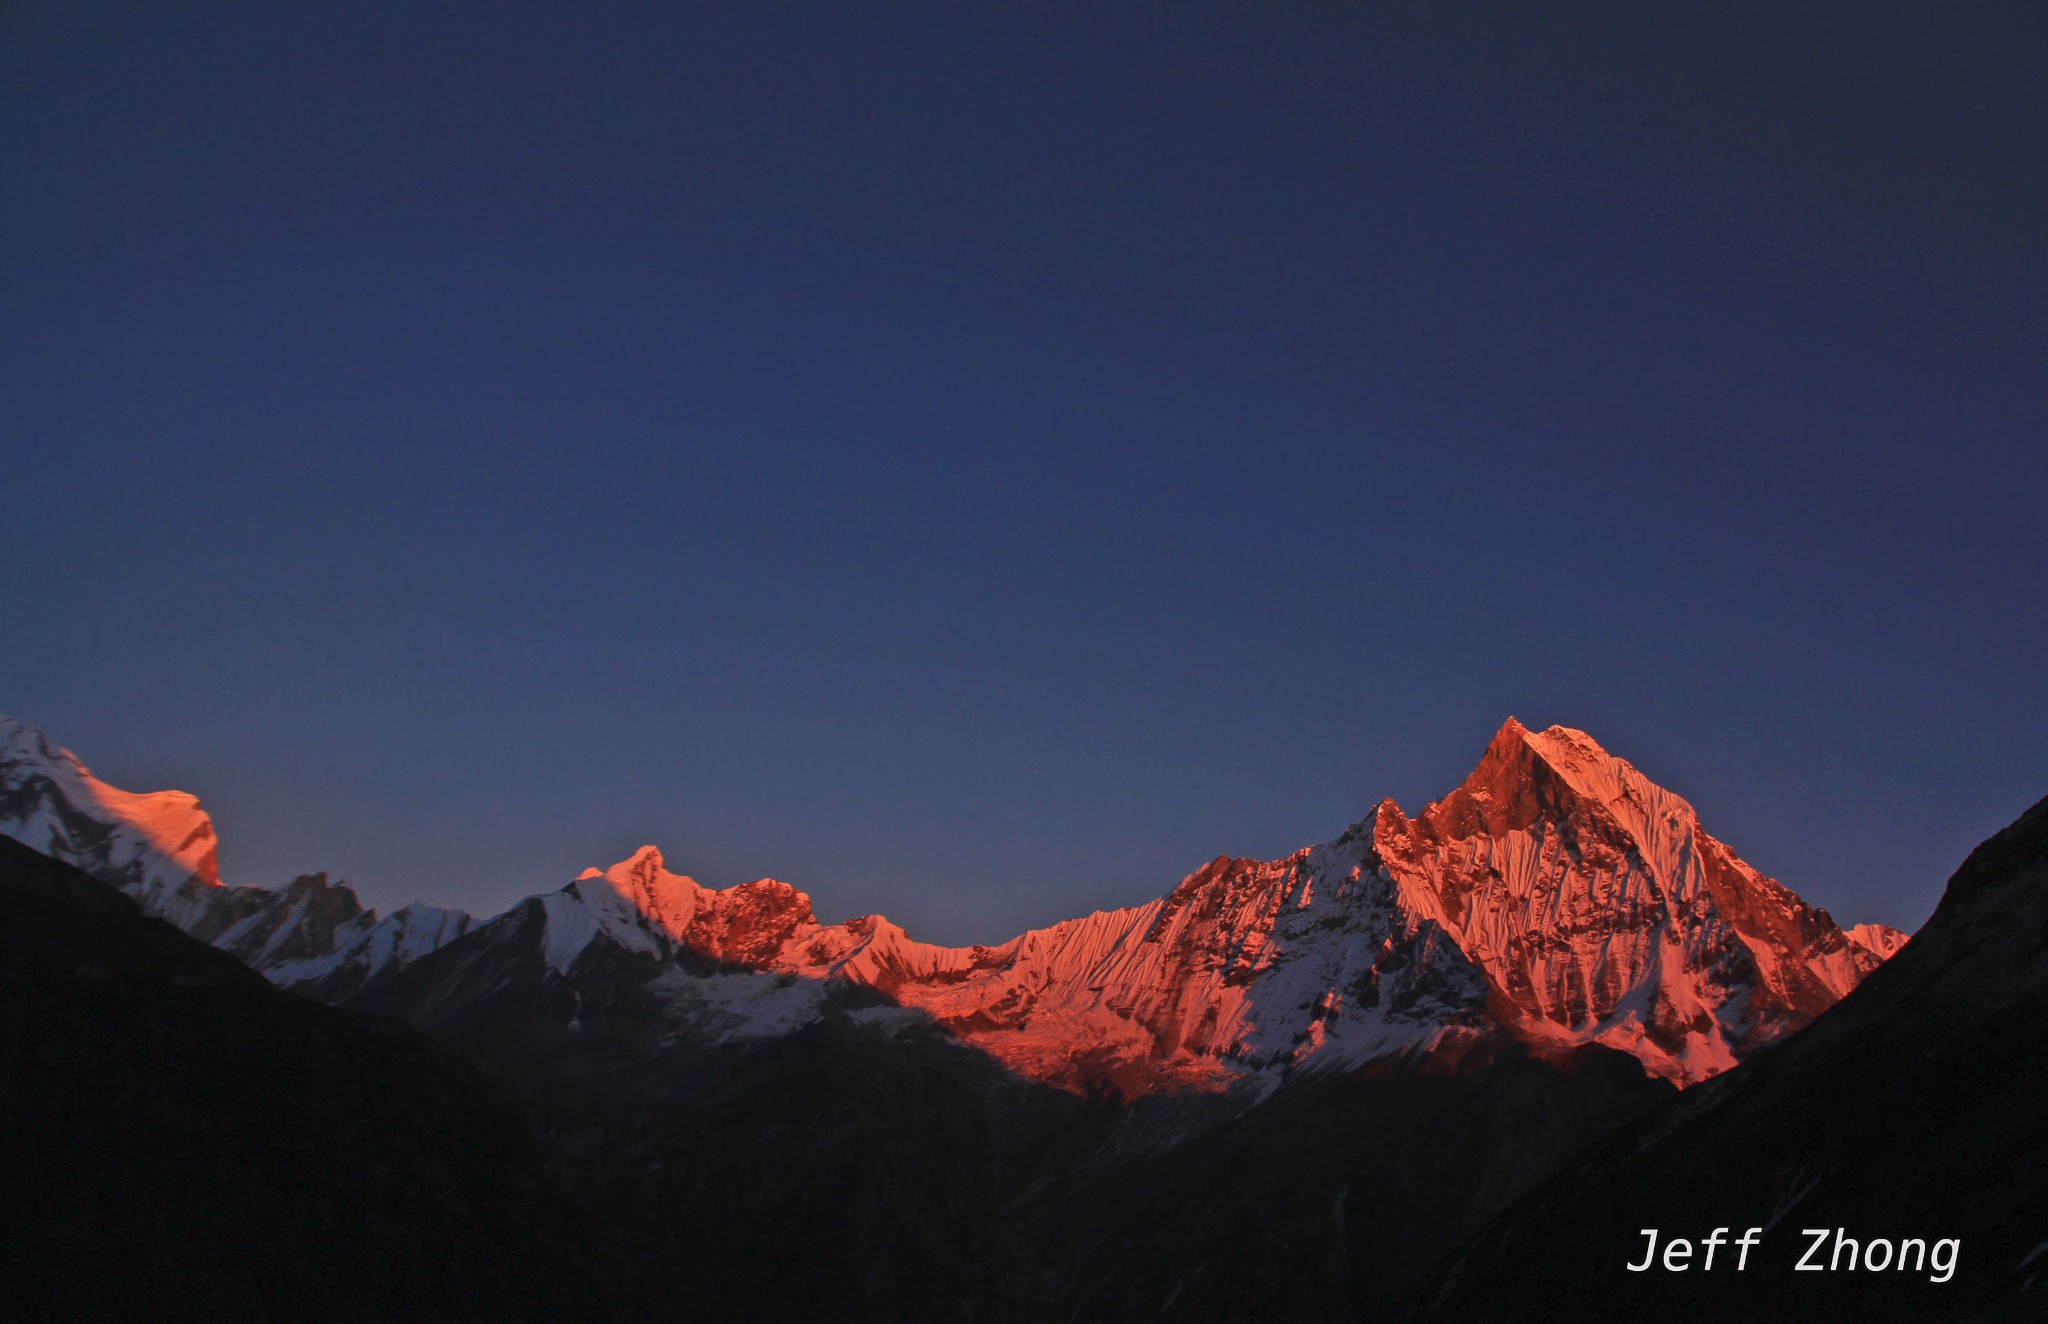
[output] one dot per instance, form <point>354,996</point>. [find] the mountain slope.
<point>1909,1110</point>
<point>186,1142</point>
<point>1330,1198</point>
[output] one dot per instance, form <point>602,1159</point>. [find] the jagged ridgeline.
<point>1322,1070</point>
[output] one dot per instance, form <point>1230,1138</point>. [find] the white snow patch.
<point>569,928</point>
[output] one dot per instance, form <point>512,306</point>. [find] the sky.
<point>978,462</point>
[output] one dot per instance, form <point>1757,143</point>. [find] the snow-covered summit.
<point>642,907</point>
<point>153,846</point>
<point>159,847</point>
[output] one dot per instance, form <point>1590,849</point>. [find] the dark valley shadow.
<point>185,1142</point>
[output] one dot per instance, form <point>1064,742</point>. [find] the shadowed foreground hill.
<point>1913,1109</point>
<point>187,1143</point>
<point>855,1168</point>
<point>1332,1199</point>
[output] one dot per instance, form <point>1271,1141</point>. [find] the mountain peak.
<point>647,909</point>
<point>1525,775</point>
<point>646,862</point>
<point>1602,911</point>
<point>642,881</point>
<point>161,842</point>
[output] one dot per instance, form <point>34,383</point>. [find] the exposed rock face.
<point>1880,940</point>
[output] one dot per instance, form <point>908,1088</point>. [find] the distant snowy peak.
<point>159,848</point>
<point>156,846</point>
<point>366,947</point>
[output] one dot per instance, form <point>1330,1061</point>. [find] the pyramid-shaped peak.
<point>1525,775</point>
<point>1568,751</point>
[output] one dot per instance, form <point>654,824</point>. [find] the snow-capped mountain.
<point>1557,898</point>
<point>157,847</point>
<point>160,849</point>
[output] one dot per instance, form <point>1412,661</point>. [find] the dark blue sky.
<point>979,461</point>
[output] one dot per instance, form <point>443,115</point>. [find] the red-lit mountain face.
<point>1557,898</point>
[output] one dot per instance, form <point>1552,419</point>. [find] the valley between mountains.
<point>1284,1089</point>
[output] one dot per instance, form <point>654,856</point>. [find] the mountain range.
<point>1557,898</point>
<point>1285,1088</point>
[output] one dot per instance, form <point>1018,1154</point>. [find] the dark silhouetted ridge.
<point>188,1143</point>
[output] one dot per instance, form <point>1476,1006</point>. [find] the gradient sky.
<point>979,461</point>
